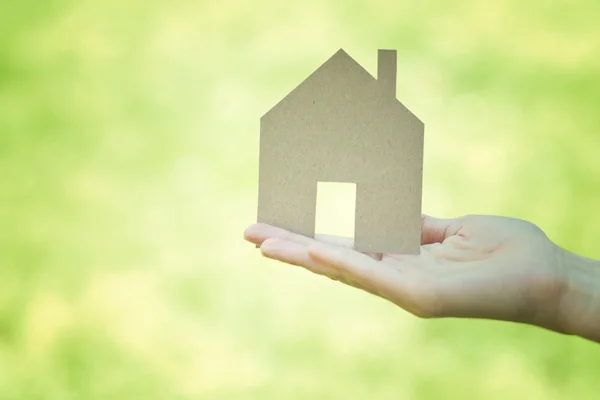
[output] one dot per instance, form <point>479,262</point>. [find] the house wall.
<point>339,127</point>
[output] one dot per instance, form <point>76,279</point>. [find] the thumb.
<point>435,230</point>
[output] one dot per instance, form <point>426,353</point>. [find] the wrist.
<point>578,310</point>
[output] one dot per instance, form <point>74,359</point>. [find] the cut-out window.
<point>336,205</point>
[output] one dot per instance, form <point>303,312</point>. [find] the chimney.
<point>386,71</point>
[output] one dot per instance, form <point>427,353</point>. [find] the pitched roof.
<point>350,69</point>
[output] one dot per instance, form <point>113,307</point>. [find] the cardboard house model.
<point>343,125</point>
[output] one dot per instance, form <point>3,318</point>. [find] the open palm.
<point>473,267</point>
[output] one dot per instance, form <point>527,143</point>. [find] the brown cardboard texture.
<point>343,125</point>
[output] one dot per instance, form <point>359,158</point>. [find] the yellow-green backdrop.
<point>128,171</point>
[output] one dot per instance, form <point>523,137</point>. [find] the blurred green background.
<point>128,171</point>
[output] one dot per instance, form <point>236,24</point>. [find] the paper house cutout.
<point>343,125</point>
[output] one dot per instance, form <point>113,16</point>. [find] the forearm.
<point>579,311</point>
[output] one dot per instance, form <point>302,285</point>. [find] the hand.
<point>472,267</point>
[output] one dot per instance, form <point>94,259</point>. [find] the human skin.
<point>469,267</point>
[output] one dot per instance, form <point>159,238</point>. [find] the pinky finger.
<point>294,253</point>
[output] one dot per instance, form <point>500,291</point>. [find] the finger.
<point>297,254</point>
<point>293,253</point>
<point>258,233</point>
<point>333,240</point>
<point>352,266</point>
<point>435,230</point>
<point>344,242</point>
